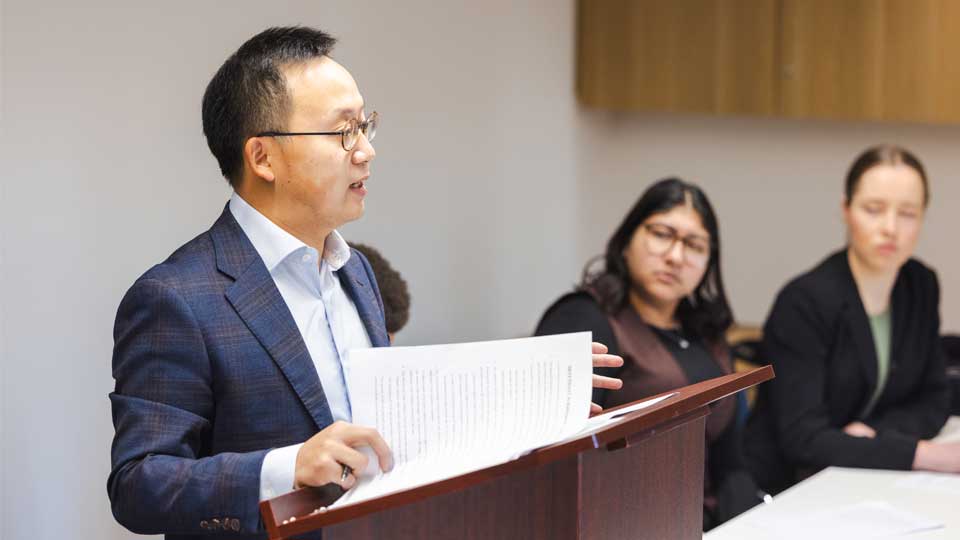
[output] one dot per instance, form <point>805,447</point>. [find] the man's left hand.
<point>602,359</point>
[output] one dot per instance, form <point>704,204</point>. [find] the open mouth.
<point>357,185</point>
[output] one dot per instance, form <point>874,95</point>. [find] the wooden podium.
<point>641,477</point>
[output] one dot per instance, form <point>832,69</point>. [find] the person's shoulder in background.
<point>393,289</point>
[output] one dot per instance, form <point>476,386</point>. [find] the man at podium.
<point>229,386</point>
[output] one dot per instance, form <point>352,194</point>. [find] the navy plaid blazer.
<point>211,373</point>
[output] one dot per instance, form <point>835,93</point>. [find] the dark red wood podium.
<point>641,477</point>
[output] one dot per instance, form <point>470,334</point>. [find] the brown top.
<point>650,369</point>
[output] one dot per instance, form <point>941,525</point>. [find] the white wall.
<point>490,189</point>
<point>3,327</point>
<point>107,172</point>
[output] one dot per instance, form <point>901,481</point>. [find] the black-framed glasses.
<point>661,239</point>
<point>348,136</point>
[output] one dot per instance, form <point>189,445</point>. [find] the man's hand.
<point>859,429</point>
<point>602,359</point>
<point>321,459</point>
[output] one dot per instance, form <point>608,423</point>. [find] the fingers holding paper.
<point>603,360</point>
<point>321,460</point>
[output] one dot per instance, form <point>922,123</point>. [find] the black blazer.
<point>819,341</point>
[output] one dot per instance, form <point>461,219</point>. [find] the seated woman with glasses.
<point>860,381</point>
<point>658,301</point>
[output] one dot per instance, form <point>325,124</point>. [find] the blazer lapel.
<point>257,301</point>
<point>860,332</point>
<point>354,280</point>
<point>899,308</point>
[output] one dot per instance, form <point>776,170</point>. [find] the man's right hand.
<point>321,459</point>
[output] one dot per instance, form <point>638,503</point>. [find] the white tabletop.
<point>924,495</point>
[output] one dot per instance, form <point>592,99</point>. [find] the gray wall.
<point>490,189</point>
<point>775,184</point>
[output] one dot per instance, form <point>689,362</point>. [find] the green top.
<point>880,328</point>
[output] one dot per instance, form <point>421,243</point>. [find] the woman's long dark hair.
<point>705,313</point>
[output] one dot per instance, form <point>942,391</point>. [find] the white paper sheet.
<point>948,484</point>
<point>446,410</point>
<point>863,520</point>
<point>601,421</point>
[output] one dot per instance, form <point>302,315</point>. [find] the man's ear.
<point>257,155</point>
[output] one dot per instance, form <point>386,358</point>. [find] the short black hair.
<point>248,94</point>
<point>393,288</point>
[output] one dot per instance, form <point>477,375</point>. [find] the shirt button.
<point>307,258</point>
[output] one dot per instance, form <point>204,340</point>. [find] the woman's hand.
<point>859,429</point>
<point>937,456</point>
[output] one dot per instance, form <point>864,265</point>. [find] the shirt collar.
<point>274,244</point>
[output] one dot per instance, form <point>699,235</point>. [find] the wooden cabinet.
<point>712,56</point>
<point>844,59</point>
<point>830,64</point>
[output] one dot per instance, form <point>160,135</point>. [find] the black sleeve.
<point>797,341</point>
<point>578,312</point>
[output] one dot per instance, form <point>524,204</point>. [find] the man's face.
<point>318,184</point>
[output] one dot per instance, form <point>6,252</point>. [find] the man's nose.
<point>363,152</point>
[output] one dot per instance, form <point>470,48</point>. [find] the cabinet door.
<point>921,79</point>
<point>707,56</point>
<point>831,64</point>
<point>871,59</point>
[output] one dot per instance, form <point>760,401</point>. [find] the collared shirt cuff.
<point>278,471</point>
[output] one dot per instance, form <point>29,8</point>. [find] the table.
<point>836,487</point>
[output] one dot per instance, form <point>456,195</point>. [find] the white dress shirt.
<point>326,317</point>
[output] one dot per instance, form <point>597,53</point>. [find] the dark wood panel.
<point>662,499</point>
<point>536,504</point>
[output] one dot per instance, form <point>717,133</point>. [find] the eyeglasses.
<point>661,239</point>
<point>348,136</point>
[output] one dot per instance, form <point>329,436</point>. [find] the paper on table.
<point>446,410</point>
<point>946,483</point>
<point>863,520</point>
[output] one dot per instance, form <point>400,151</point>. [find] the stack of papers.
<point>447,410</point>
